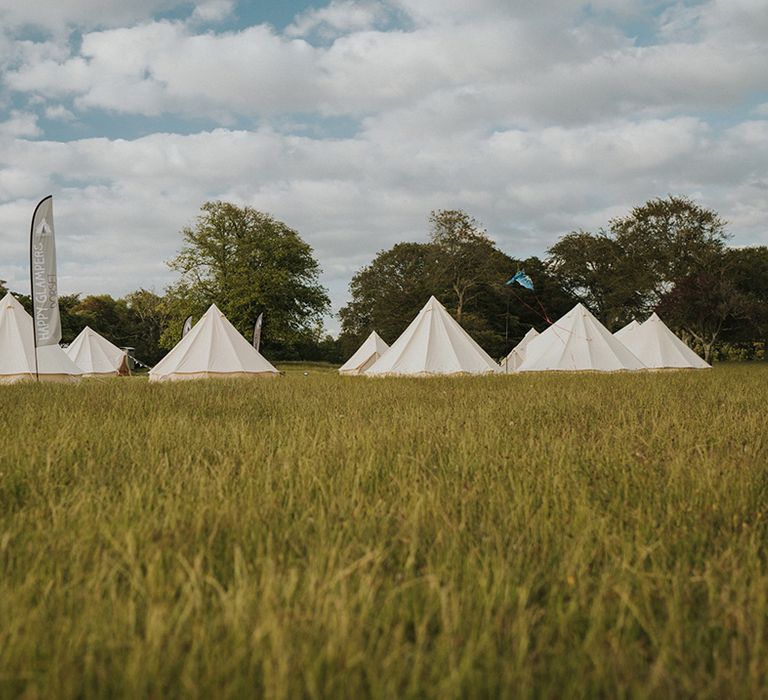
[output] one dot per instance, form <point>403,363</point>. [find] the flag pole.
<point>32,282</point>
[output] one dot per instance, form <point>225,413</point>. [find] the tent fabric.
<point>96,356</point>
<point>17,349</point>
<point>659,348</point>
<point>623,334</point>
<point>515,358</point>
<point>433,344</point>
<point>370,351</point>
<point>578,342</point>
<point>213,348</point>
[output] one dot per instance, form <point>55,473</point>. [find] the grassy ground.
<point>552,536</point>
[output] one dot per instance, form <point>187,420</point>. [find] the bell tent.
<point>578,342</point>
<point>624,333</point>
<point>213,348</point>
<point>516,356</point>
<point>17,350</point>
<point>659,348</point>
<point>370,351</point>
<point>96,356</point>
<point>434,343</point>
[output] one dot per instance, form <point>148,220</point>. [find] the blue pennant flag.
<point>522,279</point>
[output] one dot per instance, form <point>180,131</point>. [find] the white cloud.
<point>22,124</point>
<point>213,11</point>
<point>515,71</point>
<point>59,15</point>
<point>340,17</point>
<point>59,113</point>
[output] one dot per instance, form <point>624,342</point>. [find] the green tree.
<point>466,271</point>
<point>594,268</point>
<point>151,317</point>
<point>626,271</point>
<point>463,257</point>
<point>387,294</point>
<point>700,305</point>
<point>668,239</point>
<point>3,288</point>
<point>247,262</point>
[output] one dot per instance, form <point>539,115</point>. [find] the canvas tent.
<point>623,333</point>
<point>96,356</point>
<point>213,348</point>
<point>516,356</point>
<point>659,348</point>
<point>17,349</point>
<point>434,343</point>
<point>578,342</point>
<point>370,351</point>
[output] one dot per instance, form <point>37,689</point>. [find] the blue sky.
<point>352,119</point>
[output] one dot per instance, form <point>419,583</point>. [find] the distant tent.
<point>96,356</point>
<point>370,351</point>
<point>659,348</point>
<point>17,349</point>
<point>213,348</point>
<point>515,358</point>
<point>434,343</point>
<point>578,342</point>
<point>623,333</point>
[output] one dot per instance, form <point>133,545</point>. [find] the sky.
<point>351,120</point>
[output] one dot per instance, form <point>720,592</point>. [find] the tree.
<point>462,252</point>
<point>387,294</point>
<point>3,288</point>
<point>627,270</point>
<point>107,316</point>
<point>247,262</point>
<point>151,317</point>
<point>594,269</point>
<point>669,239</point>
<point>747,270</point>
<point>464,269</point>
<point>701,305</point>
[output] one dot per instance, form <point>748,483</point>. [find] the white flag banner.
<point>45,297</point>
<point>187,326</point>
<point>257,332</point>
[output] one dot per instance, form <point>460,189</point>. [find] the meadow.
<point>326,537</point>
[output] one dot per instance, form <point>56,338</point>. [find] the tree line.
<point>670,255</point>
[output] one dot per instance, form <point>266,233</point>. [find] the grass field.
<point>549,536</point>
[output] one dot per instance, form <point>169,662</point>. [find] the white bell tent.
<point>433,344</point>
<point>578,342</point>
<point>17,349</point>
<point>370,351</point>
<point>96,356</point>
<point>659,348</point>
<point>516,356</point>
<point>213,348</point>
<point>624,333</point>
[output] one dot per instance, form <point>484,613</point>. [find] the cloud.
<point>337,18</point>
<point>22,124</point>
<point>212,11</point>
<point>514,70</point>
<point>59,113</point>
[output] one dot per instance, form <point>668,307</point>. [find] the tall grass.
<point>553,536</point>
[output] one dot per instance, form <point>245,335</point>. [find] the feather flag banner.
<point>257,332</point>
<point>45,297</point>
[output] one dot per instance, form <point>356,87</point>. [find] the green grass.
<point>548,536</point>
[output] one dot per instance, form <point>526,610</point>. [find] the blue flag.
<point>522,279</point>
